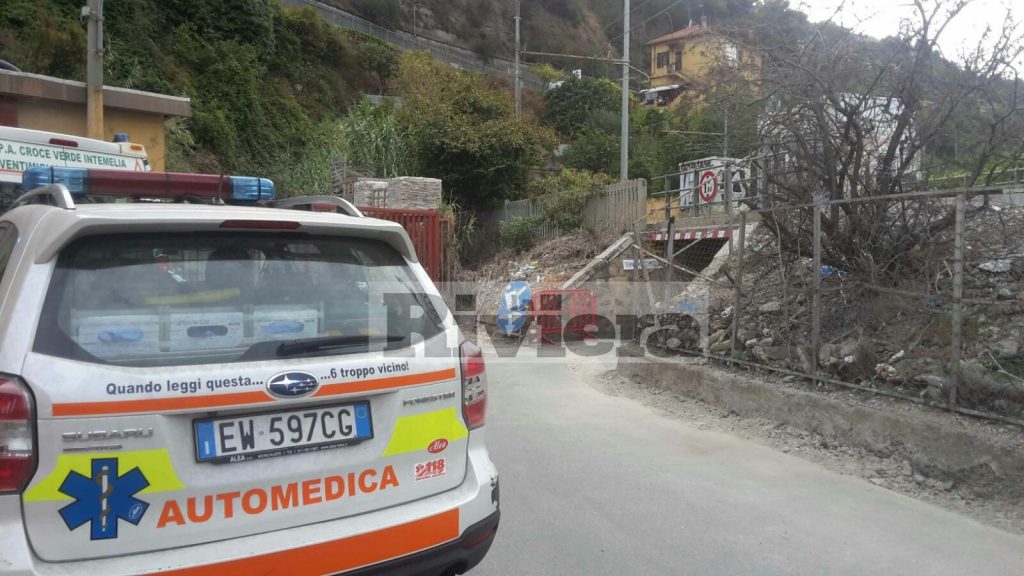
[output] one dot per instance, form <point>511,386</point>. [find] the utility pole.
<point>415,20</point>
<point>94,69</point>
<point>624,138</point>
<point>519,83</point>
<point>725,132</point>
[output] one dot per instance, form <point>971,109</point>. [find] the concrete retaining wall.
<point>985,459</point>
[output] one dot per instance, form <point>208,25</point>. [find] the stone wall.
<point>406,192</point>
<point>414,193</point>
<point>371,193</point>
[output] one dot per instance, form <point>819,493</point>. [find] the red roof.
<point>680,34</point>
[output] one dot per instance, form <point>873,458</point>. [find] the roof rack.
<point>312,202</point>
<point>56,194</point>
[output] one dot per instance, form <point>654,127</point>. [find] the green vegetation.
<point>43,37</point>
<point>595,150</point>
<point>579,104</point>
<point>374,141</point>
<point>547,73</point>
<point>271,90</point>
<point>519,234</point>
<point>586,115</point>
<point>387,13</point>
<point>566,195</point>
<point>267,84</point>
<point>462,129</point>
<point>278,92</point>
<point>377,58</point>
<point>561,26</point>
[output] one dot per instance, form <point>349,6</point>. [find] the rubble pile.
<point>545,266</point>
<point>899,339</point>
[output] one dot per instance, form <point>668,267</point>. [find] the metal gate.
<point>562,312</point>
<point>426,229</point>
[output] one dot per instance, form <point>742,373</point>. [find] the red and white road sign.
<point>708,186</point>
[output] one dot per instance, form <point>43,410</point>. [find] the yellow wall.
<point>145,129</point>
<point>700,54</point>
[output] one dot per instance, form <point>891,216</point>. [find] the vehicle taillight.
<point>474,385</point>
<point>17,453</point>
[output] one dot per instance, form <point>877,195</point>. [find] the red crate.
<point>562,312</point>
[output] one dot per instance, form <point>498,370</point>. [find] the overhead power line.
<point>666,9</point>
<point>618,61</point>
<point>619,19</point>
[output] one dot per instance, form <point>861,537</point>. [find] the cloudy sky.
<point>881,18</point>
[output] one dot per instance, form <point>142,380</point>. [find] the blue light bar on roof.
<point>72,178</point>
<point>85,182</point>
<point>251,189</point>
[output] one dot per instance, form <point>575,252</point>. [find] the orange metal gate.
<point>562,312</point>
<point>425,230</point>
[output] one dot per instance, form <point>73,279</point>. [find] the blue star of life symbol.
<point>104,498</point>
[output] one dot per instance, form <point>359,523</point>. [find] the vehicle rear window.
<point>175,299</point>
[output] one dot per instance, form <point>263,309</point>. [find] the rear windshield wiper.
<point>293,347</point>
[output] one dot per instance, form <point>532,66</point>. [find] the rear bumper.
<point>458,556</point>
<point>438,532</point>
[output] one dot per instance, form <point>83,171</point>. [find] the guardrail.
<point>449,53</point>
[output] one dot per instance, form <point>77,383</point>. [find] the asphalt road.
<point>595,484</point>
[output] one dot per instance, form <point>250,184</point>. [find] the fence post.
<point>727,177</point>
<point>958,293</point>
<point>737,299</point>
<point>636,279</point>
<point>640,203</point>
<point>816,306</point>
<point>669,252</point>
<point>668,201</point>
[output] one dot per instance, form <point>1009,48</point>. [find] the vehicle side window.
<point>8,239</point>
<point>8,194</point>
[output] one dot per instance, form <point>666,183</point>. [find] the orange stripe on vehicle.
<point>339,555</point>
<point>240,399</point>
<point>385,383</point>
<point>157,404</point>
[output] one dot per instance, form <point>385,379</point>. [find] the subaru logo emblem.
<point>292,385</point>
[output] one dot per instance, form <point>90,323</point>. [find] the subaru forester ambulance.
<point>194,383</point>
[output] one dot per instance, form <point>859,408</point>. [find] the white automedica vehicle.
<point>191,386</point>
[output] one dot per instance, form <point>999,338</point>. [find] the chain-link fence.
<point>448,53</point>
<point>917,296</point>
